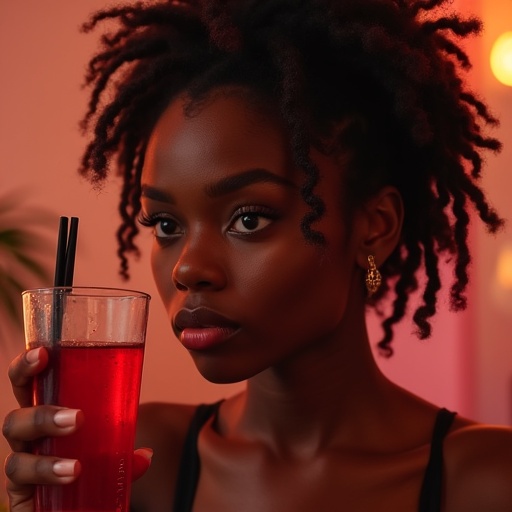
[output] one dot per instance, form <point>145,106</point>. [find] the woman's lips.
<point>205,337</point>
<point>202,328</point>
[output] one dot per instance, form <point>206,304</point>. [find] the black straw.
<point>64,269</point>
<point>66,250</point>
<point>60,263</point>
<point>70,252</point>
<point>63,281</point>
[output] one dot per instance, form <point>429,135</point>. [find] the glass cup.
<point>95,339</point>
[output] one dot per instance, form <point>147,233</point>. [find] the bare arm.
<point>479,469</point>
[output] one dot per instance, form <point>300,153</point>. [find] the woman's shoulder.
<point>163,428</point>
<point>168,421</point>
<point>478,462</point>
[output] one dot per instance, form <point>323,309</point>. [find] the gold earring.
<point>373,277</point>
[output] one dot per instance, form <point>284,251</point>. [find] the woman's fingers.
<point>141,462</point>
<point>22,370</point>
<point>30,423</point>
<point>27,424</point>
<point>24,469</point>
<point>21,500</point>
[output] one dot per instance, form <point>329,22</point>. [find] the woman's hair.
<point>375,83</point>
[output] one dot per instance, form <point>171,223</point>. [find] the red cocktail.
<point>104,443</point>
<point>95,341</point>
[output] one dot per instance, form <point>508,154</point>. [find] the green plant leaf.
<point>12,238</point>
<point>10,293</point>
<point>23,249</point>
<point>31,264</point>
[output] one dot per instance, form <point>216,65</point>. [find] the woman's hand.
<point>23,426</point>
<point>27,424</point>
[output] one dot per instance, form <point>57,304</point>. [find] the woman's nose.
<point>199,267</point>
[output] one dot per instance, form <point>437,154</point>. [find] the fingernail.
<point>146,452</point>
<point>65,467</point>
<point>32,356</point>
<point>65,417</point>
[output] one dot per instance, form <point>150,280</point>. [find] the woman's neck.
<point>315,398</point>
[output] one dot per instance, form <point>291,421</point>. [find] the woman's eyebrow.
<point>238,181</point>
<point>156,194</point>
<point>224,186</point>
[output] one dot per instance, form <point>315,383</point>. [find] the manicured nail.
<point>147,453</point>
<point>65,467</point>
<point>32,356</point>
<point>65,417</point>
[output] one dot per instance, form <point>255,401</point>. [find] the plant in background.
<point>24,255</point>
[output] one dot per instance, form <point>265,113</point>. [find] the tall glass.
<point>95,338</point>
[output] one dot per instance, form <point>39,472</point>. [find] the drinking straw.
<point>66,249</point>
<point>60,263</point>
<point>64,270</point>
<point>70,252</point>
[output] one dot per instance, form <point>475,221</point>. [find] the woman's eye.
<point>164,228</point>
<point>250,222</point>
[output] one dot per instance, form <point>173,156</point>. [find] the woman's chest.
<point>353,482</point>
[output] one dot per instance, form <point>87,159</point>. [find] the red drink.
<point>95,339</point>
<point>103,381</point>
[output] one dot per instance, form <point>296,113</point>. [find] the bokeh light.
<point>501,58</point>
<point>504,268</point>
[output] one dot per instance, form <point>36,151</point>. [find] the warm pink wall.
<point>42,57</point>
<point>493,303</point>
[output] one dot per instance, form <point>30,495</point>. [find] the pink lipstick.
<point>202,328</point>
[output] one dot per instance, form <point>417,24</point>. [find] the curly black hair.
<point>376,83</point>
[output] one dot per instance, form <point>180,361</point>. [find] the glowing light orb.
<point>501,58</point>
<point>504,268</point>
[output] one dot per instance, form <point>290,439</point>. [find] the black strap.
<point>431,490</point>
<point>190,464</point>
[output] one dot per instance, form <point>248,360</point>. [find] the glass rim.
<point>84,291</point>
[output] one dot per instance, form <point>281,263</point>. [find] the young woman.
<point>297,162</point>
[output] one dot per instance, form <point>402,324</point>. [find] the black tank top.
<point>190,465</point>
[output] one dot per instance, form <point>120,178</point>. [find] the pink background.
<point>466,365</point>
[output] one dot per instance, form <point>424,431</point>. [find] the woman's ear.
<point>382,217</point>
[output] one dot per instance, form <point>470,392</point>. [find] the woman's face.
<point>242,287</point>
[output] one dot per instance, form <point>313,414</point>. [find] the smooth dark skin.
<point>318,427</point>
